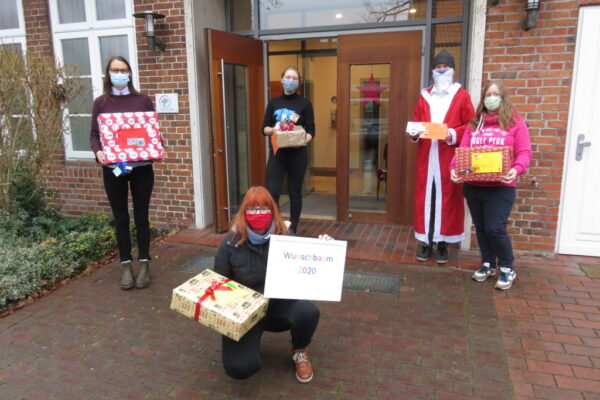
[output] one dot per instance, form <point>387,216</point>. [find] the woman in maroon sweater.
<point>120,96</point>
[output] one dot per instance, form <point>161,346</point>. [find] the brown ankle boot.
<point>143,279</point>
<point>304,371</point>
<point>127,281</point>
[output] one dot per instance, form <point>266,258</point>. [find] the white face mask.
<point>442,79</point>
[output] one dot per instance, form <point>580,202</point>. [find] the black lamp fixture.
<point>149,17</point>
<point>532,8</point>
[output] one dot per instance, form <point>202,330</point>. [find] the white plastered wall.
<point>201,14</point>
<point>474,77</point>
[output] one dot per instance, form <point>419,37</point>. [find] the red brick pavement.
<point>443,337</point>
<point>388,243</point>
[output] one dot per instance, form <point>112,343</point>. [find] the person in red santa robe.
<point>439,206</point>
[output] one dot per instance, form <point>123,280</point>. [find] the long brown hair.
<point>107,87</point>
<point>506,112</point>
<point>256,196</point>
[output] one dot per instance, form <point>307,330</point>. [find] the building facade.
<point>363,64</point>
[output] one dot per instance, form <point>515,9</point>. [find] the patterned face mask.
<point>492,103</point>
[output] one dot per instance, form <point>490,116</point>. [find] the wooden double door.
<point>378,82</point>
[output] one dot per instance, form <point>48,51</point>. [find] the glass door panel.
<point>369,116</point>
<point>236,134</point>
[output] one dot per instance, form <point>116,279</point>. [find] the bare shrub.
<point>34,94</point>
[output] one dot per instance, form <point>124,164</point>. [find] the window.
<point>87,33</point>
<point>12,25</point>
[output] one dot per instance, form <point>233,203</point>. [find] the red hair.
<point>256,196</point>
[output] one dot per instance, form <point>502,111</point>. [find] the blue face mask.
<point>119,80</point>
<point>290,85</point>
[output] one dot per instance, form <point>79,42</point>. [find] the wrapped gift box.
<point>131,136</point>
<point>219,303</point>
<point>483,164</point>
<point>427,130</point>
<point>294,138</point>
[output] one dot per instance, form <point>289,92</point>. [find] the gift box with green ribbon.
<point>219,303</point>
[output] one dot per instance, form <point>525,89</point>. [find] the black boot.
<point>424,252</point>
<point>441,253</point>
<point>143,279</point>
<point>127,281</point>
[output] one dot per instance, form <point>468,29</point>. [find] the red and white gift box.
<point>130,136</point>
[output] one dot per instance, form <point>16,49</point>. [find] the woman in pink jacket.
<point>496,123</point>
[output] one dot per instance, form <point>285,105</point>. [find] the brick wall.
<point>537,67</point>
<point>79,183</point>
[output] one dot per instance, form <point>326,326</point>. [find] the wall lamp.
<point>532,8</point>
<point>149,17</point>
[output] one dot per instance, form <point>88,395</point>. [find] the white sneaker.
<point>507,276</point>
<point>484,272</point>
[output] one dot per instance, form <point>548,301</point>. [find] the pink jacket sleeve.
<point>521,147</point>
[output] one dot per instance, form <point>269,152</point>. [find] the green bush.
<point>39,247</point>
<point>31,259</point>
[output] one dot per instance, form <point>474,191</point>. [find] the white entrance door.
<point>579,220</point>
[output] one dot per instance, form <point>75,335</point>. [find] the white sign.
<point>167,103</point>
<point>305,268</point>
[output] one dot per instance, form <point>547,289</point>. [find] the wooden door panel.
<point>402,51</point>
<point>229,48</point>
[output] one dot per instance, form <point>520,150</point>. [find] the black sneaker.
<point>441,253</point>
<point>424,253</point>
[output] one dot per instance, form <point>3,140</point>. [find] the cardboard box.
<point>427,130</point>
<point>219,303</point>
<point>131,136</point>
<point>294,138</point>
<point>483,164</point>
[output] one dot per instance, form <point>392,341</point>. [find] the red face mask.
<point>259,222</point>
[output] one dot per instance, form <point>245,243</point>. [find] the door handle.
<point>581,143</point>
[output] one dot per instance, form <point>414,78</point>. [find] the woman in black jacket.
<point>242,257</point>
<point>292,161</point>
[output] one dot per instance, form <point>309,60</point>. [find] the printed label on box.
<point>485,163</point>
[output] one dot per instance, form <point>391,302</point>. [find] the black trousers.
<point>293,162</point>
<point>141,181</point>
<point>301,317</point>
<point>490,208</point>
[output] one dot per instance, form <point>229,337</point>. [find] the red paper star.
<point>371,93</point>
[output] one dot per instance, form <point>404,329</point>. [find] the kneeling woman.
<point>243,257</point>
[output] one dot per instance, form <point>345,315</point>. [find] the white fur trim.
<point>452,140</point>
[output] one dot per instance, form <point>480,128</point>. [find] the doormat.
<point>198,265</point>
<point>372,283</point>
<point>591,270</point>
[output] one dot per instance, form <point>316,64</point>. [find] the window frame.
<point>91,21</point>
<point>11,36</point>
<point>16,32</point>
<point>92,31</point>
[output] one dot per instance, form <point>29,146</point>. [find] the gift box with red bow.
<point>130,136</point>
<point>219,303</point>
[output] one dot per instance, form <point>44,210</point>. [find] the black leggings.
<point>242,359</point>
<point>141,180</point>
<point>292,161</point>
